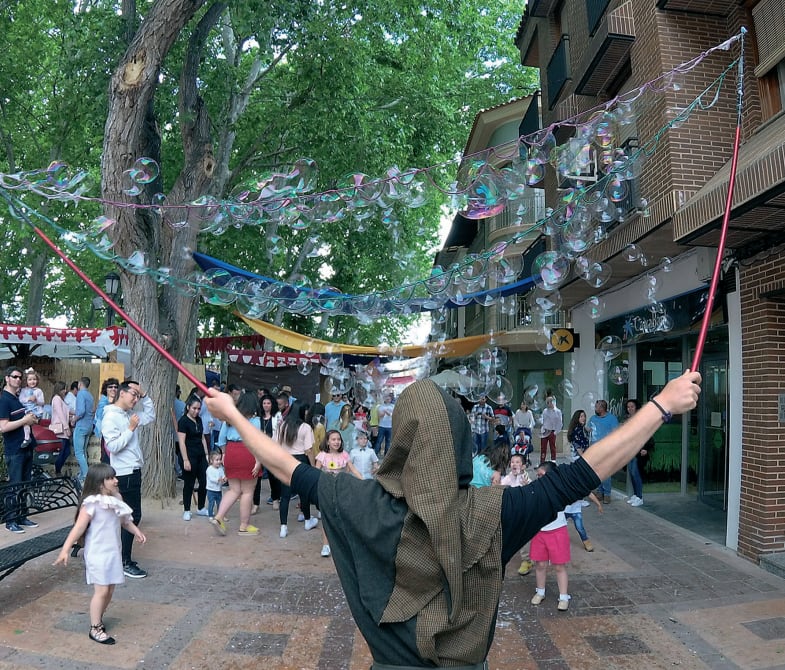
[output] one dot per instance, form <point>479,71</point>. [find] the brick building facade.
<point>591,51</point>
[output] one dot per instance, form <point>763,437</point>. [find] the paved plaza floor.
<point>651,595</point>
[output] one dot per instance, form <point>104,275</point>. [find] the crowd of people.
<point>226,443</point>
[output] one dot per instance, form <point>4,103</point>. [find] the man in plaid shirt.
<point>481,418</point>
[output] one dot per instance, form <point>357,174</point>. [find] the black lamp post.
<point>112,287</point>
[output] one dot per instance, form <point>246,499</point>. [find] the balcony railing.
<point>522,318</point>
<point>558,73</point>
<point>534,204</point>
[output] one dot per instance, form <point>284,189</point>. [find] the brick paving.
<point>650,596</point>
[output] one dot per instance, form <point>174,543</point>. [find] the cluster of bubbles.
<point>595,169</point>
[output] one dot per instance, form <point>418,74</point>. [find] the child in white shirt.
<point>363,457</point>
<point>215,480</point>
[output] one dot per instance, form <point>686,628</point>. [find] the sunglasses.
<point>15,376</point>
<point>112,386</point>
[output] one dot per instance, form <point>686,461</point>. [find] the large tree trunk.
<point>131,133</point>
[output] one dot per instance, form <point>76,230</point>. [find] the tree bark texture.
<point>131,133</point>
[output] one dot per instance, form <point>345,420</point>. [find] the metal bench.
<point>43,494</point>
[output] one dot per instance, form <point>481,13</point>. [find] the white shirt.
<point>385,415</point>
<point>122,443</point>
<point>558,522</point>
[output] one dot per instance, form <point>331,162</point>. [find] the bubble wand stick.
<point>19,212</point>
<point>715,277</point>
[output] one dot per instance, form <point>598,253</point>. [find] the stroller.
<point>522,444</point>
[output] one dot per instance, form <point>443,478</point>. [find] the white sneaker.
<point>202,512</point>
<point>326,550</point>
<point>631,499</point>
<point>284,530</point>
<point>638,502</point>
<point>301,517</point>
<point>311,523</point>
<point>186,516</point>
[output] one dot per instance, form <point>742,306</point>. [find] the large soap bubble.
<point>610,347</point>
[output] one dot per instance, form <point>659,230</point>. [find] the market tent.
<point>18,341</point>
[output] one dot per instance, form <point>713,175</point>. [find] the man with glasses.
<point>19,461</point>
<point>119,427</point>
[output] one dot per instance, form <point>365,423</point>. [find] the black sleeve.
<point>305,483</point>
<point>526,509</point>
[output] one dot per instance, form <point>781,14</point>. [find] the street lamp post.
<point>112,286</point>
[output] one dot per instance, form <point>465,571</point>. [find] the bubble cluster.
<point>593,169</point>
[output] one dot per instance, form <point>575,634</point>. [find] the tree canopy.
<point>222,94</point>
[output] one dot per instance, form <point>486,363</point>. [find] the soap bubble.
<point>619,375</point>
<point>499,390</point>
<point>568,388</point>
<point>632,253</point>
<point>551,269</point>
<point>596,307</point>
<point>610,347</point>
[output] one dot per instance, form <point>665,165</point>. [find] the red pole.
<point>186,373</point>
<point>715,278</point>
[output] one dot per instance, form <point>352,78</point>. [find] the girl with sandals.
<point>99,517</point>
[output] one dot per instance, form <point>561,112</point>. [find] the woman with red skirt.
<point>241,469</point>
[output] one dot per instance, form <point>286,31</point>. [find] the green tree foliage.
<point>221,94</point>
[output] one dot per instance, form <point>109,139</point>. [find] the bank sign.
<point>679,314</point>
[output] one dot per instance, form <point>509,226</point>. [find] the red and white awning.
<point>61,342</point>
<point>270,359</point>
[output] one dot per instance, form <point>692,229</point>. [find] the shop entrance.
<point>713,433</point>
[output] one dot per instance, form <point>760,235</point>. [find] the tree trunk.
<point>131,133</point>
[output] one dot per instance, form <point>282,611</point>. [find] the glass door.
<point>713,433</point>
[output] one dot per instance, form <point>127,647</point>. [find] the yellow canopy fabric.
<point>286,338</point>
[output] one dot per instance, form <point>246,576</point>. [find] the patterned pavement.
<point>651,595</point>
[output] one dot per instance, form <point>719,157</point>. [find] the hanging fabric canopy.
<point>449,349</point>
<point>208,262</point>
<point>60,342</point>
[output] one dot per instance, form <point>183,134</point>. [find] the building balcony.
<point>608,51</point>
<point>508,222</point>
<point>756,222</point>
<point>542,8</point>
<point>711,7</point>
<point>558,71</point>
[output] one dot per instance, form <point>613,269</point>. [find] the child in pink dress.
<point>333,459</point>
<point>101,513</point>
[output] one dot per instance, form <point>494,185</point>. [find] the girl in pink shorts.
<point>551,544</point>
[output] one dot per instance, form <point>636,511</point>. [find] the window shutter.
<point>769,18</point>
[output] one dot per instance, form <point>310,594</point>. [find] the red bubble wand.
<point>149,338</point>
<point>715,277</point>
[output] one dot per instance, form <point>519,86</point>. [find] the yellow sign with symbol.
<point>563,339</point>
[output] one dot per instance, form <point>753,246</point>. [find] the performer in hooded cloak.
<point>419,553</point>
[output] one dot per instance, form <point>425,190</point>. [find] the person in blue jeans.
<point>19,460</point>
<point>574,511</point>
<point>601,425</point>
<point>638,462</point>
<point>83,428</point>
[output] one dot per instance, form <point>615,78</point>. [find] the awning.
<point>449,349</point>
<point>60,342</point>
<point>269,359</point>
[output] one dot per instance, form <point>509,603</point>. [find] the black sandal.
<point>98,634</point>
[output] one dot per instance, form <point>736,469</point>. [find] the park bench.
<point>43,494</point>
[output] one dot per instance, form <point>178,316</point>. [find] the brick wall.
<point>762,512</point>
